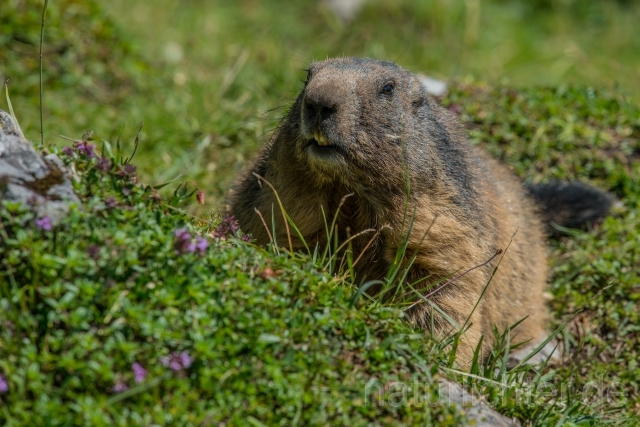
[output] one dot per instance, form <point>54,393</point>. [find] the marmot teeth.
<point>320,139</point>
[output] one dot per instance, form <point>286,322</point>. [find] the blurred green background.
<point>210,79</point>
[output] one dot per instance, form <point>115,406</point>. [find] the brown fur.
<point>464,204</point>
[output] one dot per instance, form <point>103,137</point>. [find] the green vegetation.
<point>263,337</point>
<point>579,133</point>
<point>221,331</point>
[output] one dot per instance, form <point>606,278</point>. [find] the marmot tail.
<point>570,204</point>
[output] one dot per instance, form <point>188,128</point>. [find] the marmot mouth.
<point>326,150</point>
<point>321,142</point>
<point>320,139</point>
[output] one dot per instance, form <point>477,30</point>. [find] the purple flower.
<point>246,238</point>
<point>103,165</point>
<point>201,244</point>
<point>129,170</point>
<point>172,362</point>
<point>184,242</point>
<point>44,223</point>
<point>4,387</point>
<point>175,365</point>
<point>177,361</point>
<point>185,359</point>
<point>86,148</point>
<point>110,202</point>
<point>227,227</point>
<point>182,234</point>
<point>93,251</point>
<point>139,373</point>
<point>67,151</point>
<point>119,387</point>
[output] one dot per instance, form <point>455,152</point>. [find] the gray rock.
<point>345,10</point>
<point>478,412</point>
<point>8,126</point>
<point>433,86</point>
<point>26,176</point>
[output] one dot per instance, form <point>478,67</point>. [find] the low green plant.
<point>130,312</point>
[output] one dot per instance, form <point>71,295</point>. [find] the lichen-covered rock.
<point>8,126</point>
<point>476,410</point>
<point>36,180</point>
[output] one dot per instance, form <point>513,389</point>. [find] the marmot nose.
<point>318,110</point>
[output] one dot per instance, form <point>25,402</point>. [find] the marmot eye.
<point>387,89</point>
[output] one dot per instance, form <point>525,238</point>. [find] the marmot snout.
<point>368,129</point>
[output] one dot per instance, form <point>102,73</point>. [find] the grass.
<point>270,338</point>
<point>274,338</point>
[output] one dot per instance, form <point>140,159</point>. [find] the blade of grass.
<point>362,289</point>
<point>284,214</point>
<point>44,13</point>
<point>300,236</point>
<point>265,225</point>
<point>346,242</point>
<point>135,145</point>
<point>333,224</point>
<point>13,115</point>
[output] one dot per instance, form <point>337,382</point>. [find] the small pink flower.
<point>185,359</point>
<point>184,243</point>
<point>103,165</point>
<point>227,227</point>
<point>201,244</point>
<point>44,223</point>
<point>119,387</point>
<point>4,387</point>
<point>177,361</point>
<point>175,365</point>
<point>93,251</point>
<point>139,373</point>
<point>182,234</point>
<point>86,148</point>
<point>200,197</point>
<point>129,170</point>
<point>110,202</point>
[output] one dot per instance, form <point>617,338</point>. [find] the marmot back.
<point>368,128</point>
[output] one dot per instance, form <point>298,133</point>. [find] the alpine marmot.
<point>437,209</point>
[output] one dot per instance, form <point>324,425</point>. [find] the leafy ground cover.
<point>122,292</point>
<point>127,313</point>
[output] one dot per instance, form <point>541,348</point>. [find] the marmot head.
<point>353,119</point>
